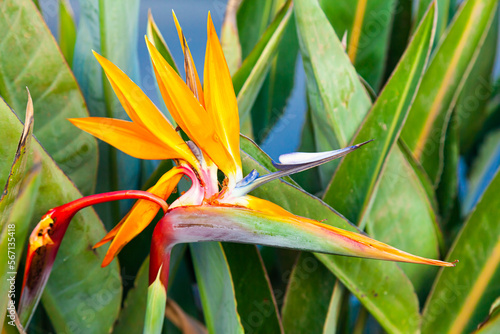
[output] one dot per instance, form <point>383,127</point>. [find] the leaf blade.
<point>473,283</point>
<point>216,288</point>
<point>349,270</point>
<point>428,118</point>
<point>308,295</point>
<point>76,263</point>
<point>338,106</point>
<point>368,25</point>
<point>67,31</point>
<point>20,217</point>
<point>56,96</point>
<point>109,28</point>
<point>253,290</point>
<point>352,186</point>
<point>250,76</point>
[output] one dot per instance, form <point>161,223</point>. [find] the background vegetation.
<point>428,184</point>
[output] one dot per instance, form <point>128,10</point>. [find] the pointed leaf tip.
<point>155,309</point>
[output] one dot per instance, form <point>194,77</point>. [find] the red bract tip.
<point>47,236</point>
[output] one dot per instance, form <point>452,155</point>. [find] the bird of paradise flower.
<point>208,211</point>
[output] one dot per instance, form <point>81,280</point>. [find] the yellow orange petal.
<point>142,213</point>
<point>262,205</point>
<point>180,101</point>
<point>192,78</point>
<point>220,100</point>
<point>142,110</point>
<point>128,137</point>
<point>111,234</point>
<point>188,112</point>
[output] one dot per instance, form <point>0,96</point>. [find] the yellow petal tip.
<point>148,42</point>
<point>210,24</point>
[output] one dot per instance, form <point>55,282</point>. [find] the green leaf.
<point>421,174</point>
<point>379,174</point>
<point>253,17</point>
<point>230,39</point>
<point>356,178</point>
<point>492,121</point>
<point>471,105</point>
<point>21,213</point>
<point>462,296</point>
<point>447,188</point>
<point>337,98</point>
<point>255,300</point>
<point>368,25</point>
<point>409,222</point>
<point>366,181</point>
<point>10,327</point>
<point>482,171</point>
<point>180,289</point>
<point>155,36</point>
<point>277,88</point>
<point>37,4</point>
<point>155,308</point>
<point>492,324</point>
<point>442,82</point>
<point>333,317</point>
<point>14,232</point>
<point>77,280</point>
<point>16,209</point>
<point>17,171</point>
<point>400,34</point>
<point>443,10</point>
<point>309,179</point>
<point>39,64</point>
<point>216,288</point>
<point>249,78</point>
<point>308,296</point>
<point>386,292</point>
<point>131,318</point>
<point>67,30</point>
<point>109,28</point>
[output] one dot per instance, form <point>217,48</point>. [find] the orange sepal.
<point>129,137</point>
<point>220,100</point>
<point>111,234</point>
<point>143,112</point>
<point>189,113</point>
